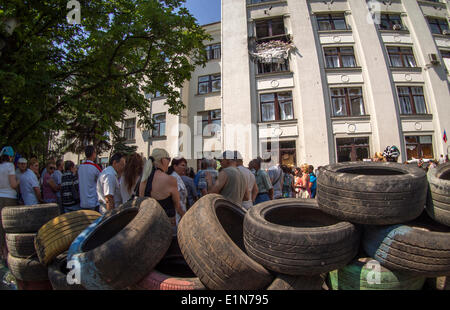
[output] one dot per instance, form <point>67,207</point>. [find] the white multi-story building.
<point>316,82</point>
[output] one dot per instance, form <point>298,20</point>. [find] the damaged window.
<point>270,29</point>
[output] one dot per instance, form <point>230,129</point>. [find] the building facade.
<point>313,81</point>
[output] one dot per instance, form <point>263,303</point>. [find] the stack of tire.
<point>367,215</point>
<point>402,242</point>
<point>54,239</point>
<point>21,224</point>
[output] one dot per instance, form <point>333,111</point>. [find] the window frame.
<point>411,99</point>
<point>210,51</point>
<point>391,21</point>
<point>331,21</point>
<point>353,147</point>
<point>273,67</point>
<point>129,128</point>
<point>276,106</point>
<point>419,145</point>
<point>209,120</point>
<point>209,83</point>
<point>339,55</point>
<point>348,98</point>
<point>438,22</point>
<point>401,55</point>
<point>157,125</point>
<point>271,36</point>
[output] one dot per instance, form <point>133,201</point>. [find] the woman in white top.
<point>177,169</point>
<point>131,174</point>
<point>8,193</point>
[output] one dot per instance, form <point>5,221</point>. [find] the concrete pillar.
<point>436,83</point>
<point>238,132</point>
<point>315,143</point>
<point>380,99</point>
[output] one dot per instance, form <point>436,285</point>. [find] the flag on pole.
<point>445,136</point>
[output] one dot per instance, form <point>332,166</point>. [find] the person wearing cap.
<point>230,182</point>
<point>21,167</point>
<point>8,194</point>
<point>156,183</point>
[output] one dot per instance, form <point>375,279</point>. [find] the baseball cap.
<point>7,150</point>
<point>22,160</point>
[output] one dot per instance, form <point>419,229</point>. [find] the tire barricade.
<point>373,226</point>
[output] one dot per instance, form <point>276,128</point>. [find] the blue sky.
<point>205,11</point>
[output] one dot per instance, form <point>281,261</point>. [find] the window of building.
<point>438,25</point>
<point>340,57</point>
<point>208,83</point>
<point>419,147</point>
<point>352,149</point>
<point>129,126</point>
<point>213,51</point>
<point>347,101</point>
<point>211,122</point>
<point>270,29</point>
<point>159,121</point>
<point>446,57</point>
<point>331,21</point>
<point>391,22</point>
<point>286,152</point>
<point>272,67</point>
<point>401,56</point>
<point>412,100</point>
<point>276,106</point>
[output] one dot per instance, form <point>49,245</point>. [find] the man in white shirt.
<point>21,167</point>
<point>108,187</point>
<point>252,188</point>
<point>88,174</point>
<point>29,184</point>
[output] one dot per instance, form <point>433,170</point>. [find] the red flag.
<point>445,137</point>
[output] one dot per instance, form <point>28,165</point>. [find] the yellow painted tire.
<point>56,235</point>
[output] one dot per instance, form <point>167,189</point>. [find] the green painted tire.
<point>354,276</point>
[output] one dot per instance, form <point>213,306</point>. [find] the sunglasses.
<point>168,158</point>
<point>51,168</point>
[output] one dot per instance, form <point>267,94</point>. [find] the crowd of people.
<point>175,186</point>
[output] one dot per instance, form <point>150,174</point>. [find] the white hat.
<point>22,160</point>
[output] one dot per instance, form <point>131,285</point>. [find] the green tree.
<point>55,76</point>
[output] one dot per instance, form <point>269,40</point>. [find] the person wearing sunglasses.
<point>49,186</point>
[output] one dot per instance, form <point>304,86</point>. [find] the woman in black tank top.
<point>154,171</point>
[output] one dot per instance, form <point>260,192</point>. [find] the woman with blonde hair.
<point>157,184</point>
<point>305,191</point>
